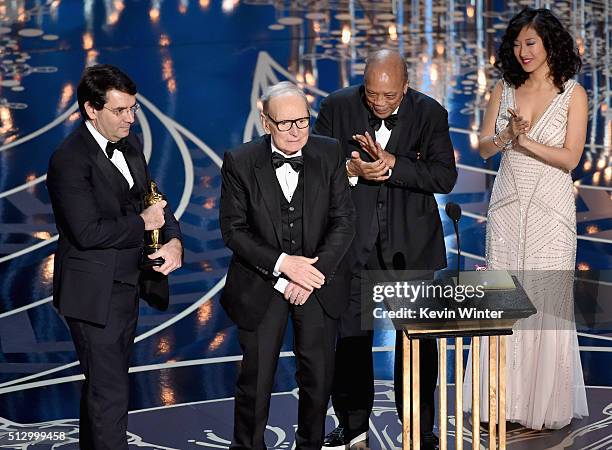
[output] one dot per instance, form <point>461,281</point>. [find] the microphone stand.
<point>456,225</point>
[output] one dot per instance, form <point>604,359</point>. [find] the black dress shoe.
<point>342,439</point>
<point>429,441</point>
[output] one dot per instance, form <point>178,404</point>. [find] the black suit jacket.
<point>411,234</point>
<point>86,192</point>
<point>250,216</point>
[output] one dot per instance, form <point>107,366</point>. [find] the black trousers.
<point>104,353</point>
<point>353,385</point>
<point>314,341</point>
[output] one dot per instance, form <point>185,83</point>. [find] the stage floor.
<point>199,67</point>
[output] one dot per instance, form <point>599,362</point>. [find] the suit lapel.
<point>312,183</point>
<point>403,123</point>
<point>116,181</point>
<point>365,113</point>
<point>134,162</point>
<point>392,143</point>
<point>364,124</point>
<point>266,180</point>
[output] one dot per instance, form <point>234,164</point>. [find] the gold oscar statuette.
<point>152,238</point>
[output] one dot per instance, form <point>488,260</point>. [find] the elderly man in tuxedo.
<point>287,216</point>
<point>399,153</point>
<point>97,179</point>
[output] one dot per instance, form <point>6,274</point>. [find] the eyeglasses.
<point>118,112</point>
<point>286,125</point>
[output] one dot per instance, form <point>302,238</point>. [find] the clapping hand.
<point>378,170</point>
<point>374,171</point>
<point>519,127</point>
<point>374,149</point>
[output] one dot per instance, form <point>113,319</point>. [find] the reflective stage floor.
<point>199,67</point>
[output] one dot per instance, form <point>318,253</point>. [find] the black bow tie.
<point>375,122</point>
<point>120,145</point>
<point>297,162</point>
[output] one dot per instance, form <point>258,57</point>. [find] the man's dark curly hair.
<point>562,56</point>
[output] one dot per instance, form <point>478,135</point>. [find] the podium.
<point>514,305</point>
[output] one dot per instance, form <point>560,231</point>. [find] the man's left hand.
<point>172,252</point>
<point>296,294</point>
<point>374,149</point>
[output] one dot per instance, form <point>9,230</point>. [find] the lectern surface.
<point>494,313</point>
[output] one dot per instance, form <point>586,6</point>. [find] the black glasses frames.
<point>286,125</point>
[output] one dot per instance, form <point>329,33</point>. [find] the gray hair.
<point>278,89</point>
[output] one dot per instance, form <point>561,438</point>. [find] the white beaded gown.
<point>531,229</point>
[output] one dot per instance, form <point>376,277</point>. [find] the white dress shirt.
<point>287,177</point>
<point>118,159</point>
<point>383,133</point>
<point>288,181</point>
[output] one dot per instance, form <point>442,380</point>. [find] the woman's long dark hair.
<point>562,56</point>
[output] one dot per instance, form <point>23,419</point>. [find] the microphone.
<point>453,211</point>
<point>399,261</point>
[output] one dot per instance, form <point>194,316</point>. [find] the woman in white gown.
<point>537,118</point>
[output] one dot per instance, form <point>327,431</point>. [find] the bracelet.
<point>499,143</point>
<point>496,141</point>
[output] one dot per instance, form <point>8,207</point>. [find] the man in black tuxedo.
<point>287,216</point>
<point>399,154</point>
<point>96,180</point>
